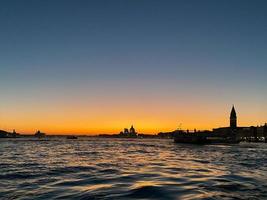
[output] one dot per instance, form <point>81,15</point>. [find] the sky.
<point>88,67</point>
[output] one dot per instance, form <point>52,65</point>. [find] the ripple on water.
<point>131,169</point>
<point>149,192</point>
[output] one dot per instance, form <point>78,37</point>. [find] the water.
<point>96,168</point>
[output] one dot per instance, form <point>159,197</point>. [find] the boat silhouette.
<point>72,137</point>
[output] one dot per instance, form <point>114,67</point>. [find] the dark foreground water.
<point>95,168</point>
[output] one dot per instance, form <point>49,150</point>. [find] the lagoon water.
<point>97,168</point>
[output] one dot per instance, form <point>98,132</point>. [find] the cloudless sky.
<point>99,66</point>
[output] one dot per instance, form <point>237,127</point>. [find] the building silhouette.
<point>233,119</point>
<point>247,133</point>
<point>128,132</point>
<point>132,130</point>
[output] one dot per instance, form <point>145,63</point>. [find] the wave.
<point>136,169</point>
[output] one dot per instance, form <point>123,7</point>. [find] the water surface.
<point>97,168</point>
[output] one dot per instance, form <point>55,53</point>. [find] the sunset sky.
<point>98,66</point>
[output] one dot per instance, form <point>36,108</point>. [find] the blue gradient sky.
<point>98,66</point>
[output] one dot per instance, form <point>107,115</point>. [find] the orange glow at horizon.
<point>91,68</point>
<point>147,117</point>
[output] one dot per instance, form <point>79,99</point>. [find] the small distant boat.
<point>39,134</point>
<point>72,137</point>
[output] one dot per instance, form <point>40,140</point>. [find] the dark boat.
<point>3,134</point>
<point>195,138</point>
<point>223,140</point>
<point>191,139</point>
<point>72,137</point>
<point>39,134</point>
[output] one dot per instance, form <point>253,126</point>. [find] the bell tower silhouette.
<point>233,118</point>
